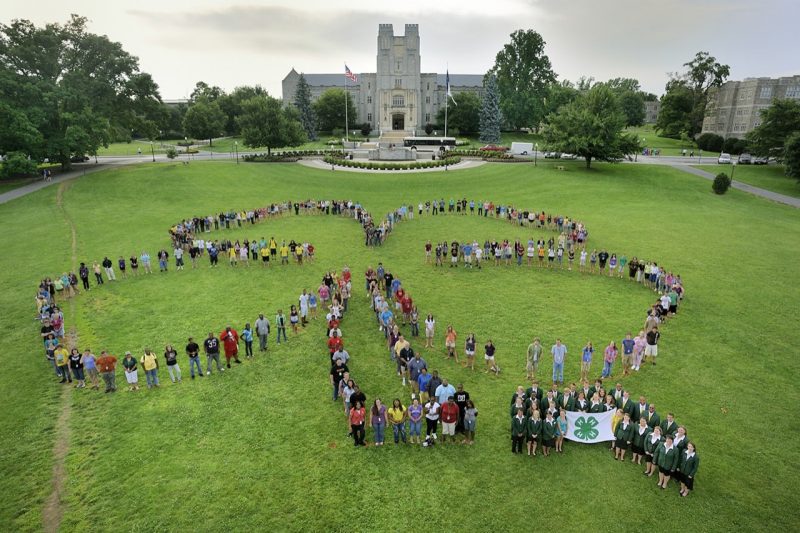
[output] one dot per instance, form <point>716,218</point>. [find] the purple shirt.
<point>380,418</point>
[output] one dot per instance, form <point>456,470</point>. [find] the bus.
<point>430,144</point>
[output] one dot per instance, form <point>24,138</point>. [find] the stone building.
<point>398,96</point>
<point>651,110</point>
<point>735,108</point>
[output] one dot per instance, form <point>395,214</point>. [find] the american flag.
<point>349,74</point>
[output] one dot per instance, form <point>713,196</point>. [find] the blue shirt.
<point>386,316</point>
<point>467,250</point>
<point>395,285</point>
<point>247,335</point>
<point>627,346</point>
<point>587,355</point>
<point>444,392</point>
<point>423,381</point>
<point>558,353</point>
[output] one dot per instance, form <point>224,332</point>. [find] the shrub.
<point>710,142</point>
<point>428,128</point>
<point>172,153</point>
<point>721,183</point>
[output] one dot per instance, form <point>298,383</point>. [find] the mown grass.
<point>665,145</point>
<point>771,177</point>
<point>262,446</point>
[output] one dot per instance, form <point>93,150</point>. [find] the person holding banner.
<point>640,434</point>
<point>666,457</point>
<point>549,428</point>
<point>595,406</point>
<point>623,437</point>
<point>562,430</point>
<point>534,430</point>
<point>688,468</point>
<point>651,444</point>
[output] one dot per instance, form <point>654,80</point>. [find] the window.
<point>369,85</point>
<point>398,65</point>
<point>793,91</point>
<point>369,99</point>
<point>369,117</point>
<point>398,83</point>
<point>427,99</point>
<point>427,118</point>
<point>398,101</point>
<point>766,92</point>
<point>429,86</point>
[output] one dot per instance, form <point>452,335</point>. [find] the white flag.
<point>589,427</point>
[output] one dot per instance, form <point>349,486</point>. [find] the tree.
<point>17,164</point>
<point>204,120</point>
<point>329,109</point>
<point>17,134</point>
<point>791,156</point>
<point>524,76</point>
<point>491,116</point>
<point>778,122</point>
<point>464,115</point>
<point>302,101</point>
<point>721,183</point>
<point>559,94</point>
<point>632,104</point>
<point>265,122</point>
<point>73,87</point>
<point>675,115</point>
<point>710,142</point>
<point>591,127</point>
<point>366,129</point>
<point>231,105</point>
<point>204,91</point>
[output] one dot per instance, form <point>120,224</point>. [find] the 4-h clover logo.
<point>586,428</point>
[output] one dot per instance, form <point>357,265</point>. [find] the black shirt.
<point>171,356</point>
<point>192,348</point>
<point>338,373</point>
<point>461,398</point>
<point>211,345</point>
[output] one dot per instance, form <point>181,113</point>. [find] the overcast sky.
<point>241,42</point>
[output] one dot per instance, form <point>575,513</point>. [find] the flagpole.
<point>446,97</point>
<point>345,106</point>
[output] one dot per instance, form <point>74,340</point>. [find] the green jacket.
<point>629,408</point>
<point>622,433</point>
<point>549,430</point>
<point>545,403</point>
<point>649,446</point>
<point>639,413</point>
<point>653,420</point>
<point>666,459</point>
<point>667,428</point>
<point>517,426</point>
<point>534,427</point>
<point>582,408</point>
<point>639,439</point>
<point>513,410</point>
<point>595,408</point>
<point>567,403</point>
<point>689,464</point>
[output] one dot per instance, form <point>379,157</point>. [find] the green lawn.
<point>771,177</point>
<point>11,184</point>
<point>226,146</point>
<point>665,145</point>
<point>132,148</point>
<point>263,447</point>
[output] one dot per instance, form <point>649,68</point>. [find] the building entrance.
<point>398,121</point>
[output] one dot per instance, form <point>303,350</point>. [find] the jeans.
<point>63,371</point>
<point>607,366</point>
<point>151,376</point>
<point>415,329</point>
<point>415,428</point>
<point>399,431</point>
<point>213,357</point>
<point>55,367</point>
<point>110,379</point>
<point>335,391</point>
<point>77,373</point>
<point>174,372</point>
<point>282,331</point>
<point>262,341</point>
<point>430,426</point>
<point>358,433</point>
<point>110,274</point>
<point>195,362</point>
<point>558,372</point>
<point>379,430</point>
<point>248,348</point>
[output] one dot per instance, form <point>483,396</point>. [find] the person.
<point>669,426</point>
<point>533,430</point>
<point>61,357</point>
<point>431,417</point>
<point>337,373</point>
<point>628,345</point>
<point>623,436</point>
<point>533,354</point>
<point>303,302</point>
<point>262,330</point>
<point>280,325</point>
<point>450,342</point>
<point>666,457</point>
<point>173,369</point>
<point>423,382</point>
<point>450,414</point>
<point>549,431</point>
<point>518,431</point>
<point>561,427</point>
<point>247,337</point>
<point>397,415</point>
<point>469,351</point>
<point>211,347</point>
<point>150,363</point>
<point>108,266</point>
<point>640,435</point>
<point>470,421</point>
<point>689,462</point>
<point>76,366</point>
<point>430,325</point>
<point>651,444</point>
<point>639,343</point>
<point>609,356</point>
<point>586,360</point>
<point>415,412</point>
<point>651,350</point>
<point>491,363</point>
<point>415,366</point>
<point>130,366</point>
<point>89,362</point>
<point>356,417</point>
<point>107,363</point>
<point>294,319</point>
<point>559,352</point>
<point>377,421</point>
<point>230,342</point>
<point>193,351</point>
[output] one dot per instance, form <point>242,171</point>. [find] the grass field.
<point>263,447</point>
<point>666,146</point>
<point>770,177</point>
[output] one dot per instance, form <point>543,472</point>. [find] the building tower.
<point>398,79</point>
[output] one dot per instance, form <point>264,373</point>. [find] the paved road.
<point>320,164</point>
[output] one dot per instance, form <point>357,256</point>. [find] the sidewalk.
<point>320,164</point>
<point>81,170</point>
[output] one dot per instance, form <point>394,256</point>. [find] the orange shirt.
<point>106,363</point>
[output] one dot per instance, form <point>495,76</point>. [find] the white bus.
<point>429,144</point>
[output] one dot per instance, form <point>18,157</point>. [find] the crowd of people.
<point>539,419</point>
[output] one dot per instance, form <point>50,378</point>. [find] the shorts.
<point>651,349</point>
<point>265,258</point>
<point>469,425</point>
<point>488,357</point>
<point>450,344</point>
<point>428,332</point>
<point>448,428</point>
<point>454,259</point>
<point>673,309</point>
<point>132,377</point>
<point>470,353</point>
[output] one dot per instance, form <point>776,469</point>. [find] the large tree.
<point>231,105</point>
<point>791,156</point>
<point>591,126</point>
<point>491,116</point>
<point>204,91</point>
<point>464,116</point>
<point>266,122</point>
<point>675,114</point>
<point>204,120</point>
<point>74,87</point>
<point>778,122</point>
<point>559,94</point>
<point>329,109</point>
<point>302,101</point>
<point>524,76</point>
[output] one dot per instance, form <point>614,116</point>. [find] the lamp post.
<point>153,151</point>
<point>699,156</point>
<point>161,138</point>
<point>236,148</point>
<point>535,153</point>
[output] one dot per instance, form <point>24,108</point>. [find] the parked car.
<point>569,156</point>
<point>745,159</point>
<point>724,159</point>
<point>79,158</point>
<point>494,148</point>
<point>759,160</point>
<point>552,155</point>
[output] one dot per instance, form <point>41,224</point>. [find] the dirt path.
<point>54,507</point>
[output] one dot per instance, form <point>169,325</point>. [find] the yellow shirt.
<point>264,252</point>
<point>149,361</point>
<point>61,355</point>
<point>284,251</point>
<point>232,253</point>
<point>396,415</point>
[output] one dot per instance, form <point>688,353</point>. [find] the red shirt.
<point>406,304</point>
<point>334,343</point>
<point>450,413</point>
<point>356,416</point>
<point>400,294</point>
<point>106,363</point>
<point>230,341</point>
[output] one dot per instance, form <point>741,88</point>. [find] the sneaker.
<point>223,370</point>
<point>208,373</point>
<point>193,376</point>
<point>229,365</point>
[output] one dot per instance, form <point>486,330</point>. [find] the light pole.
<point>236,148</point>
<point>161,138</point>
<point>699,156</point>
<point>535,153</point>
<point>153,151</point>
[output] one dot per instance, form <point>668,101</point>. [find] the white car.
<point>724,159</point>
<point>569,156</point>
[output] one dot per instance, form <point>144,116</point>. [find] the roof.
<point>329,80</point>
<point>461,80</point>
<point>337,80</point>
